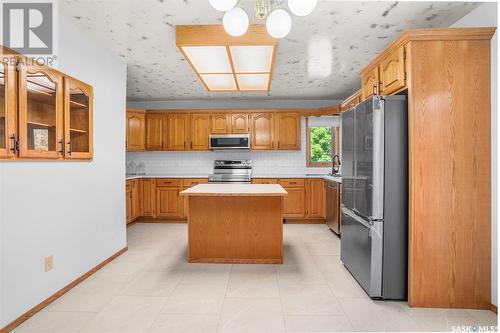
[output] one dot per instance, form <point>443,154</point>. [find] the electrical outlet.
<point>49,263</point>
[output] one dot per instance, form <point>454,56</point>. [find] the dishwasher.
<point>333,206</point>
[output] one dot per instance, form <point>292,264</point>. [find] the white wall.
<point>486,16</point>
<point>74,211</point>
<point>264,162</point>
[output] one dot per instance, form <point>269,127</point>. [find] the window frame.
<point>335,147</point>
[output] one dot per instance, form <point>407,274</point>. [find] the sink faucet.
<point>335,164</point>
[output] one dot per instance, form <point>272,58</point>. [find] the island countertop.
<point>261,190</point>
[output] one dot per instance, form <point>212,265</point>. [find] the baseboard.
<point>59,293</point>
<point>305,221</point>
<point>493,308</point>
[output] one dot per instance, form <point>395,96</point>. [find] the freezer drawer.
<point>361,251</point>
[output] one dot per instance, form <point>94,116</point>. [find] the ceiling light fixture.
<point>278,23</point>
<point>225,63</point>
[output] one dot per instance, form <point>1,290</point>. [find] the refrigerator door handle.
<point>378,161</point>
<point>355,217</point>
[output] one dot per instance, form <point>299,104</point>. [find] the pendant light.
<point>235,22</point>
<point>302,7</point>
<point>279,23</point>
<point>223,5</point>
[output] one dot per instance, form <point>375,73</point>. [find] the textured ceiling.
<point>319,59</point>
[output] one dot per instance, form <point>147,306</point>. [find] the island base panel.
<point>235,229</point>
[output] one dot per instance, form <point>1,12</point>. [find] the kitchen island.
<point>235,223</point>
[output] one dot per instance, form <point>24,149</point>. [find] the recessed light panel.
<point>208,59</point>
<point>252,59</point>
<point>219,81</point>
<point>253,81</point>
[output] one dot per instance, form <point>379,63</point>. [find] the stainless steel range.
<point>236,171</point>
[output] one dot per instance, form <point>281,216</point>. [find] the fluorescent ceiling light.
<point>253,81</point>
<point>208,59</point>
<point>219,81</point>
<point>320,58</point>
<point>252,59</point>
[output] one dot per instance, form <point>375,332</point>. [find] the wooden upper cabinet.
<point>178,131</point>
<point>200,129</point>
<point>370,83</point>
<point>316,198</point>
<point>263,131</point>
<point>351,101</point>
<point>288,131</point>
<point>8,108</point>
<point>41,107</point>
<point>392,71</point>
<point>239,123</point>
<point>221,123</point>
<point>136,130</point>
<point>78,119</point>
<point>155,127</point>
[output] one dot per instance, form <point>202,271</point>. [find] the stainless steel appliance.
<point>333,205</point>
<point>235,171</point>
<point>229,141</point>
<point>375,195</point>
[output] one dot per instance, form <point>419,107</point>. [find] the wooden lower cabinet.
<point>128,202</point>
<point>136,211</point>
<point>148,197</point>
<point>168,202</point>
<point>188,183</point>
<point>294,204</point>
<point>316,198</point>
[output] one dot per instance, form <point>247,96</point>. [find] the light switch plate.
<point>49,263</point>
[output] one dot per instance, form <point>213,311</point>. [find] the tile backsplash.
<point>191,162</point>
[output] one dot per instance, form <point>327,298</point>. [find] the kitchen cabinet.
<point>41,108</point>
<point>392,71</point>
<point>78,119</point>
<point>333,206</point>
<point>178,131</point>
<point>156,128</point>
<point>294,204</point>
<point>147,197</point>
<point>221,123</point>
<point>262,131</point>
<point>240,123</point>
<point>136,130</point>
<point>351,101</point>
<point>168,201</point>
<point>188,183</point>
<point>316,198</point>
<point>8,108</point>
<point>136,208</point>
<point>128,202</point>
<point>370,83</point>
<point>200,129</point>
<point>288,131</point>
<point>264,181</point>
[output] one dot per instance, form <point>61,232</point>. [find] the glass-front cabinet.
<point>8,137</point>
<point>78,119</point>
<point>40,113</point>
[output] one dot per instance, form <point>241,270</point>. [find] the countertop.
<point>260,190</point>
<point>257,175</point>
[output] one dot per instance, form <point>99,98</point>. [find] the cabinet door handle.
<point>15,143</point>
<point>374,89</point>
<point>69,147</point>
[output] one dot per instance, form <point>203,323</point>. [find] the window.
<point>322,145</point>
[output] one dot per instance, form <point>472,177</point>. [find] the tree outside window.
<point>322,145</point>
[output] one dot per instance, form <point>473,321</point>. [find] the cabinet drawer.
<point>292,182</point>
<point>187,183</point>
<point>264,181</point>
<point>168,183</point>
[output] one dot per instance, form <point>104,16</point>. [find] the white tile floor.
<point>151,288</point>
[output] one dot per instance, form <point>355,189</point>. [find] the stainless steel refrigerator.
<point>375,195</point>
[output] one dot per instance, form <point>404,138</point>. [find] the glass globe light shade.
<point>235,22</point>
<point>223,5</point>
<point>302,7</point>
<point>279,23</point>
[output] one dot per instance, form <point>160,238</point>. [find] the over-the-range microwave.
<point>229,141</point>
